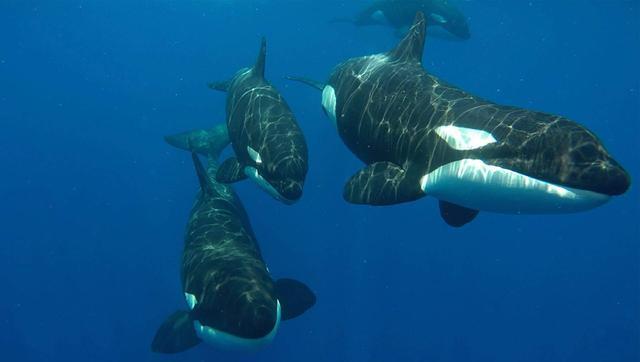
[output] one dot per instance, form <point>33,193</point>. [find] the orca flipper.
<point>294,296</point>
<point>230,171</point>
<point>456,215</point>
<point>381,183</point>
<point>176,334</point>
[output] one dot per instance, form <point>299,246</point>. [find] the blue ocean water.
<point>94,203</point>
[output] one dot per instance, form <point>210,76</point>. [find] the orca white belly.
<point>474,184</point>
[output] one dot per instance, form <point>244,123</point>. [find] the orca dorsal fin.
<point>205,184</point>
<point>411,46</point>
<point>258,68</point>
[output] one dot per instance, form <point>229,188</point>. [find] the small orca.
<point>420,136</point>
<point>232,300</point>
<point>269,146</point>
<point>399,15</point>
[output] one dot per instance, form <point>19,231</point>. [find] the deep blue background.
<point>93,204</point>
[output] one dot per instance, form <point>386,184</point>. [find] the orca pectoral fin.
<point>381,183</point>
<point>176,334</point>
<point>230,171</point>
<point>294,296</point>
<point>456,215</point>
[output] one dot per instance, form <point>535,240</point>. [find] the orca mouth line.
<point>254,175</point>
<point>229,341</point>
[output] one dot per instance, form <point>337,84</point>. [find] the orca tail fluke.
<point>209,142</point>
<point>294,296</point>
<point>176,334</point>
<point>310,82</point>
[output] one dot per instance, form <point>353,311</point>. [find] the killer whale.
<point>233,301</point>
<point>399,15</point>
<point>268,143</point>
<point>420,136</point>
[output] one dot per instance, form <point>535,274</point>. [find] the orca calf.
<point>399,15</point>
<point>420,136</point>
<point>269,146</point>
<point>233,302</point>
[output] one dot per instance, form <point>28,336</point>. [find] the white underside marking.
<point>191,300</point>
<point>329,102</point>
<point>255,156</point>
<point>255,176</point>
<point>462,138</point>
<point>224,340</point>
<point>476,185</point>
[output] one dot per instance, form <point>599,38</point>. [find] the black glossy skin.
<point>400,14</point>
<point>388,106</point>
<point>259,117</point>
<point>223,268</point>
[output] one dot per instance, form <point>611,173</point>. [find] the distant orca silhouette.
<point>399,15</point>
<point>233,302</point>
<point>421,136</point>
<point>269,146</point>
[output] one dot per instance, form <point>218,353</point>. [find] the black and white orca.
<point>232,300</point>
<point>268,143</point>
<point>400,13</point>
<point>420,136</point>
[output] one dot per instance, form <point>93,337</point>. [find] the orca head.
<point>281,174</point>
<point>558,167</point>
<point>452,20</point>
<point>371,17</point>
<point>567,154</point>
<point>458,26</point>
<point>241,320</point>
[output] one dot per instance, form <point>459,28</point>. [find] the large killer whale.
<point>399,14</point>
<point>268,143</point>
<point>232,300</point>
<point>420,136</point>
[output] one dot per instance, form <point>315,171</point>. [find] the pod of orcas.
<point>417,135</point>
